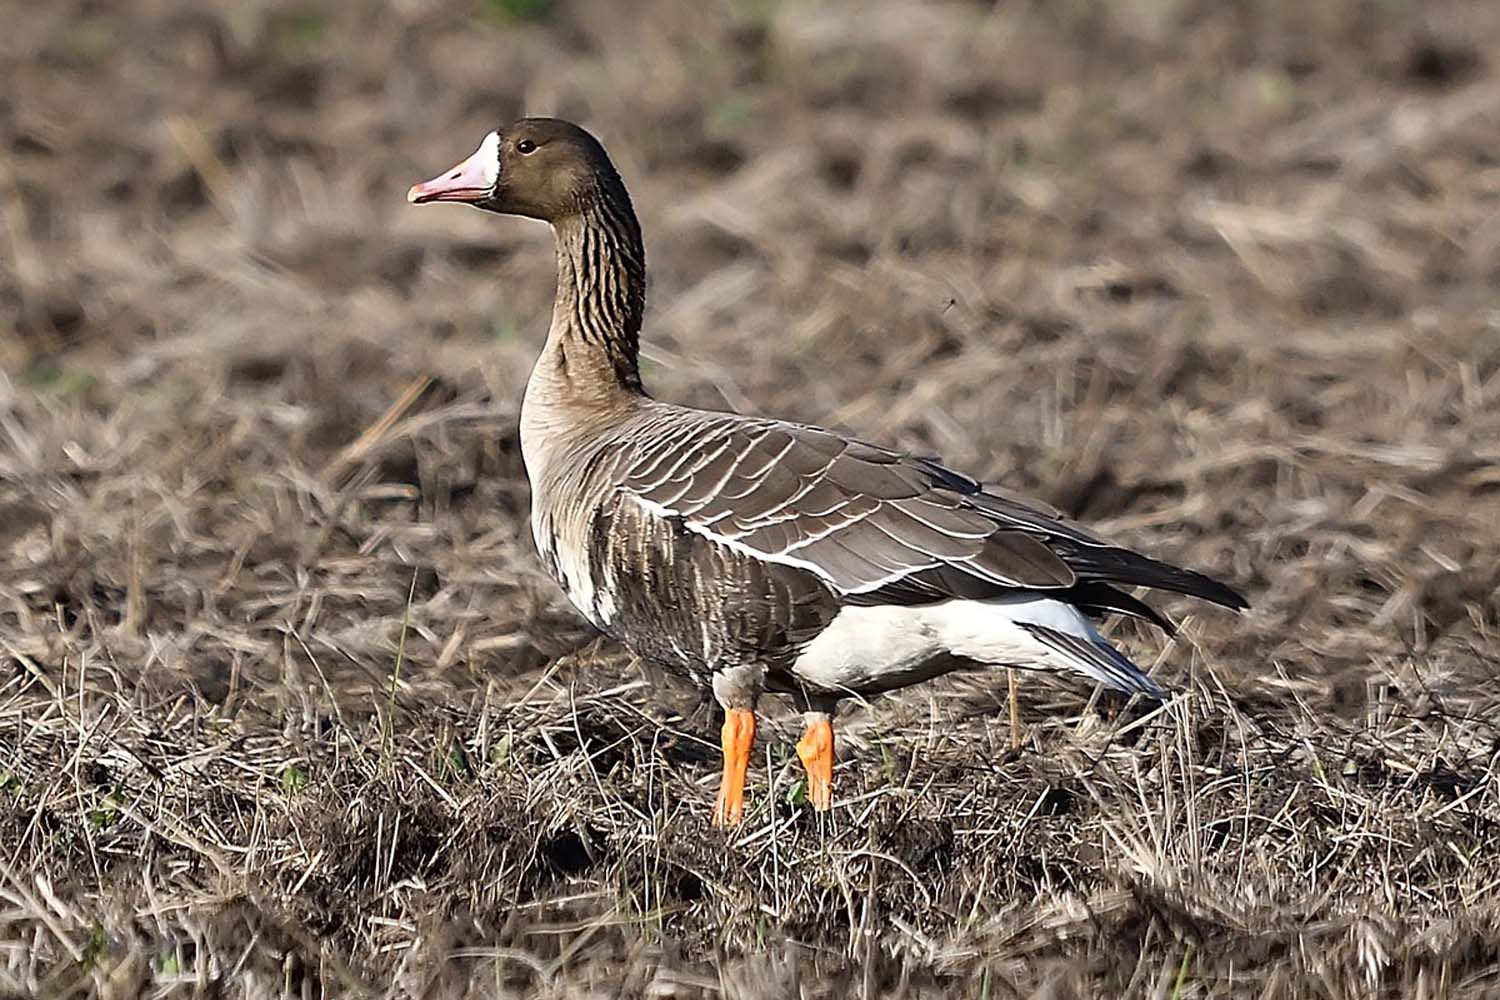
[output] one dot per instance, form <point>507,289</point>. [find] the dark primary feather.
<point>1107,664</point>
<point>879,527</point>
<point>1100,599</point>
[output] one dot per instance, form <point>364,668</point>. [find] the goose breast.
<point>668,593</point>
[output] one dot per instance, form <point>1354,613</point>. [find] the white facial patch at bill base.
<point>487,158</point>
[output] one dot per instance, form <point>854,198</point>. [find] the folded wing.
<point>880,527</point>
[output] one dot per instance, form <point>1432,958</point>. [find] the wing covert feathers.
<point>875,525</point>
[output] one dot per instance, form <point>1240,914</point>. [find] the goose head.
<point>540,168</point>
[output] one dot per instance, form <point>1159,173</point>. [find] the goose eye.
<point>525,146</point>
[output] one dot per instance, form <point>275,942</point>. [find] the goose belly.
<point>871,649</point>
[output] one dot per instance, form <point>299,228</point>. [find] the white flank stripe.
<point>734,545</point>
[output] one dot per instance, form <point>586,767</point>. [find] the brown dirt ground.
<point>286,707</point>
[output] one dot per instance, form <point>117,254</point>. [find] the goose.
<point>758,555</point>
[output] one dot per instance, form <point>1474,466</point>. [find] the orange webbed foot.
<point>816,750</point>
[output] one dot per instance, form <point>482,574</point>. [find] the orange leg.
<point>816,750</point>
<point>738,734</point>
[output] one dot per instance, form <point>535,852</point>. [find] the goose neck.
<point>601,296</point>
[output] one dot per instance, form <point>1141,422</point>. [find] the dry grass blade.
<point>374,435</point>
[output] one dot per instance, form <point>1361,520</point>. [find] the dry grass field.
<point>287,708</point>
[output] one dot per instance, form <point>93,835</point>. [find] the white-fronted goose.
<point>753,554</point>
